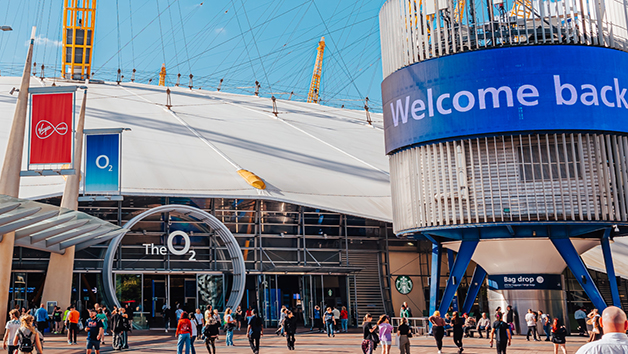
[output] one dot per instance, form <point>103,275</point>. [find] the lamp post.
<point>6,28</point>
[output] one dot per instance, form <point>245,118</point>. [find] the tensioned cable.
<point>132,45</point>
<point>48,29</point>
<point>124,46</point>
<point>185,41</point>
<point>118,21</point>
<point>174,40</point>
<point>334,43</point>
<point>243,39</point>
<point>161,34</point>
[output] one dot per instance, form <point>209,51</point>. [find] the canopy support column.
<point>476,283</point>
<point>610,269</point>
<point>467,248</point>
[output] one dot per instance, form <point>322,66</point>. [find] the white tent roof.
<point>312,155</point>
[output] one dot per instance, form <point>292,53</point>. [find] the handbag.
<point>80,325</point>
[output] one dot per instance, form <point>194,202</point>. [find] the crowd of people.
<point>501,330</point>
<point>24,332</point>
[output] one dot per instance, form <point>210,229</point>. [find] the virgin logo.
<point>45,129</point>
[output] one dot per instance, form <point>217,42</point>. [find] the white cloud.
<point>220,30</point>
<point>46,42</point>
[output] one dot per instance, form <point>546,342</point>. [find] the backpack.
<point>26,343</point>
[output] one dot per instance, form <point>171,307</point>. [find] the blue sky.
<point>272,41</point>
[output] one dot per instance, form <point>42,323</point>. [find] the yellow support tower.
<point>79,20</point>
<point>312,96</point>
<point>162,75</point>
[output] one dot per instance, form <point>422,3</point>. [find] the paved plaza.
<point>157,342</point>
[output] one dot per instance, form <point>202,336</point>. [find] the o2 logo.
<point>102,162</point>
<point>151,249</point>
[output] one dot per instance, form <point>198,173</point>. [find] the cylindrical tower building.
<point>506,126</point>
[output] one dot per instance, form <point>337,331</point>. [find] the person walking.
<point>614,340</point>
<point>330,321</point>
<point>546,321</point>
<point>103,319</point>
<point>531,323</point>
<point>318,322</point>
<point>10,332</point>
<point>404,333</point>
<point>183,333</point>
<point>484,324</point>
<point>438,329</point>
<point>512,318</point>
<point>594,320</point>
<point>385,333</point>
<point>344,320</point>
<point>367,333</point>
<point>200,322</point>
<point>41,316</point>
<point>239,317</point>
<point>194,333</point>
<point>282,317</point>
<point>336,313</point>
<point>581,318</point>
<point>457,323</point>
<point>559,334</point>
<point>230,324</point>
<point>210,332</point>
<point>255,331</point>
<point>95,331</point>
<point>290,327</point>
<point>56,320</point>
<point>27,337</point>
<point>73,320</point>
<point>501,333</point>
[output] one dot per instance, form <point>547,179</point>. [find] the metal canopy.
<point>50,228</point>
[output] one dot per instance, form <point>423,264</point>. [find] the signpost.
<point>525,282</point>
<point>103,164</point>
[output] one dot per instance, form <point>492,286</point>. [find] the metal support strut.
<point>435,280</point>
<point>577,267</point>
<point>460,265</point>
<point>474,288</point>
<point>450,263</point>
<point>610,269</point>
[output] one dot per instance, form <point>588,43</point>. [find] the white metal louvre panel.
<point>417,30</point>
<point>534,177</point>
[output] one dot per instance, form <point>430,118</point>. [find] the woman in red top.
<point>344,319</point>
<point>184,331</point>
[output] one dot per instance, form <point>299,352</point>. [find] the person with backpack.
<point>290,327</point>
<point>230,325</point>
<point>27,337</point>
<point>211,332</point>
<point>120,327</point>
<point>183,333</point>
<point>368,344</point>
<point>10,332</point>
<point>501,333</point>
<point>255,331</point>
<point>558,336</point>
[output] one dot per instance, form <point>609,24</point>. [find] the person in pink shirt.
<point>385,333</point>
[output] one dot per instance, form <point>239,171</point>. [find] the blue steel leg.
<point>435,281</point>
<point>450,261</point>
<point>610,269</point>
<point>476,283</point>
<point>460,265</point>
<point>577,267</point>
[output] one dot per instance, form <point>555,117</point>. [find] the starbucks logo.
<point>403,284</point>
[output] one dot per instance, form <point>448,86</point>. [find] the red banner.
<point>51,128</point>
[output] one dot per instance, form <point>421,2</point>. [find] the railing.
<point>416,30</point>
<point>418,325</point>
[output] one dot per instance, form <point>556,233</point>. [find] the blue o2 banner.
<point>102,163</point>
<point>515,89</point>
<point>525,282</point>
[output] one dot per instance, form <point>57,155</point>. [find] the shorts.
<point>93,344</point>
<point>385,342</point>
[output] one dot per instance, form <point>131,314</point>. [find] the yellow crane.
<point>312,96</point>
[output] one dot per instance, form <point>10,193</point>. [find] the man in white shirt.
<point>614,340</point>
<point>531,322</point>
<point>484,324</point>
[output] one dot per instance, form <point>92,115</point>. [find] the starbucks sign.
<point>403,284</point>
